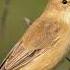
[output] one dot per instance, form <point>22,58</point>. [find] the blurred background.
<point>13,26</point>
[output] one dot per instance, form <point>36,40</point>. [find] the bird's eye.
<point>64,1</point>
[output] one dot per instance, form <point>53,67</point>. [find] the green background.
<point>14,26</point>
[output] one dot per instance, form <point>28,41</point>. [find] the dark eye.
<point>64,1</point>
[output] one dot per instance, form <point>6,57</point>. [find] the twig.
<point>4,16</point>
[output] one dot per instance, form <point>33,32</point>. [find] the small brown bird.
<point>45,42</point>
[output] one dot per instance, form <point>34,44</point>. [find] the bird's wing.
<point>15,48</point>
<point>45,39</point>
<point>19,56</point>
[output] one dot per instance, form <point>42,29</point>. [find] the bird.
<point>46,41</point>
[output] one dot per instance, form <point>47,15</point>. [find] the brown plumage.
<point>45,42</point>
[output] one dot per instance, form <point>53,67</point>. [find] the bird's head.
<point>61,5</point>
<point>60,9</point>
